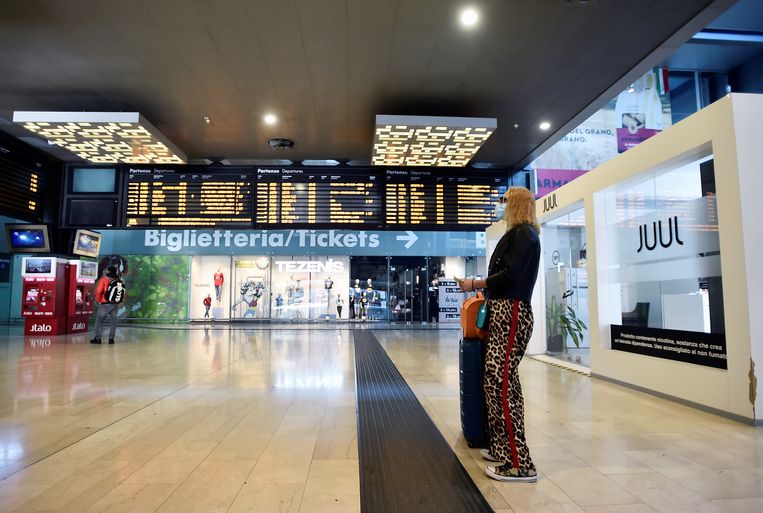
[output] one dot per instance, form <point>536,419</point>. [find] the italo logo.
<point>549,203</point>
<point>41,328</point>
<point>78,326</point>
<point>307,266</point>
<point>644,232</point>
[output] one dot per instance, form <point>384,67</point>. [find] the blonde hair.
<point>520,208</point>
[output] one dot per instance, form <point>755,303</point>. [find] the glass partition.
<point>566,277</point>
<point>157,285</point>
<point>250,287</point>
<point>663,269</point>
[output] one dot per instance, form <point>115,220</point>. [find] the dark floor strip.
<point>405,463</point>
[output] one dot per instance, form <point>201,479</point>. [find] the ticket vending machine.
<point>80,295</point>
<point>43,295</point>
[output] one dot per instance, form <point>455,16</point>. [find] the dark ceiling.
<point>327,67</point>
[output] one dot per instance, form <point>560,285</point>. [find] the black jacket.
<point>514,265</point>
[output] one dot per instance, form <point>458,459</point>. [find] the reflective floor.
<point>264,420</point>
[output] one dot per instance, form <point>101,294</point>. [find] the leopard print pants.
<point>511,324</point>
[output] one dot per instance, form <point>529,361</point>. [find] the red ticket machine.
<point>80,295</point>
<point>43,296</point>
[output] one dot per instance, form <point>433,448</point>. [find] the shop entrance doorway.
<point>408,287</point>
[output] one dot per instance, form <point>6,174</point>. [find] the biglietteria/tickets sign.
<point>292,242</point>
<point>177,240</point>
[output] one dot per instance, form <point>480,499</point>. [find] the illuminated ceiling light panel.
<point>103,137</point>
<point>429,140</point>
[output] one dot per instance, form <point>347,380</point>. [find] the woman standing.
<point>511,278</point>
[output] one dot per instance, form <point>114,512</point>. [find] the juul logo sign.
<point>549,203</point>
<point>41,328</point>
<point>643,232</point>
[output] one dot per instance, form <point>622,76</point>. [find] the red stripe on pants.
<point>505,390</point>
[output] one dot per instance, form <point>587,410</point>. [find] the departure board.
<point>188,196</point>
<point>21,193</point>
<point>319,197</point>
<point>311,197</point>
<point>441,198</point>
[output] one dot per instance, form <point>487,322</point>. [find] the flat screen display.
<point>318,197</point>
<point>92,212</point>
<point>87,270</point>
<point>28,238</point>
<point>93,180</point>
<point>188,196</point>
<point>87,243</point>
<point>40,266</point>
<point>423,198</point>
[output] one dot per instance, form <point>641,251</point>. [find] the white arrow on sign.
<point>410,237</point>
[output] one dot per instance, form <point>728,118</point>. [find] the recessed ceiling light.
<point>207,120</point>
<point>545,125</point>
<point>270,119</point>
<point>469,17</point>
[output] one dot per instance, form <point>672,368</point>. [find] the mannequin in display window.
<point>290,285</point>
<point>207,304</point>
<point>339,303</point>
<point>328,284</point>
<point>363,305</point>
<point>219,278</point>
<point>351,305</point>
<point>370,297</point>
<point>299,294</point>
<point>434,302</point>
<point>356,297</point>
<point>279,305</point>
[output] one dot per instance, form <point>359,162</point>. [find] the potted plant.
<point>554,335</point>
<point>571,326</point>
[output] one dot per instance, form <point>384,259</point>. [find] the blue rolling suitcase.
<point>471,362</point>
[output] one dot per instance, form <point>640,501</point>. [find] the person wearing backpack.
<point>109,293</point>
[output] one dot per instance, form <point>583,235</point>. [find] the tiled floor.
<point>264,420</point>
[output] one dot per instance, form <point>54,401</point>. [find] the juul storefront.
<point>650,263</point>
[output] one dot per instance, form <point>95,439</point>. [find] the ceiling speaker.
<point>281,143</point>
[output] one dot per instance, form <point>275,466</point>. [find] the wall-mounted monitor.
<point>87,243</point>
<point>38,267</point>
<point>28,238</point>
<point>91,212</point>
<point>93,180</point>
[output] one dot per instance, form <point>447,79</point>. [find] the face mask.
<point>500,209</point>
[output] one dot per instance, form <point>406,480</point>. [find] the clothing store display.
<point>219,278</point>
